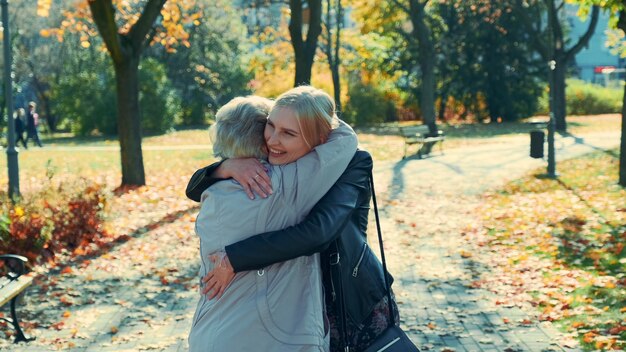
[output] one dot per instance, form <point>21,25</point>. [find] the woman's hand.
<point>250,174</point>
<point>219,278</point>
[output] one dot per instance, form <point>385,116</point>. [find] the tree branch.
<point>140,29</point>
<point>315,23</point>
<point>103,15</point>
<point>339,24</point>
<point>295,24</point>
<point>582,41</point>
<point>557,31</point>
<point>621,22</point>
<point>329,39</point>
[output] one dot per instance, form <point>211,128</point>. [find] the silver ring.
<point>257,175</point>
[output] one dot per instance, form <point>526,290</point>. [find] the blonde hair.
<point>314,110</point>
<point>239,126</point>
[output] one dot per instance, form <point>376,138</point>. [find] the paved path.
<point>429,204</point>
<point>141,294</point>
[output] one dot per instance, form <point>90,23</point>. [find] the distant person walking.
<point>32,122</point>
<point>19,126</point>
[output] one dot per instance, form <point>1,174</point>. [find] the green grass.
<point>103,166</point>
<point>383,143</point>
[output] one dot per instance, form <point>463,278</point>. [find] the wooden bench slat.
<point>13,288</point>
<point>418,134</point>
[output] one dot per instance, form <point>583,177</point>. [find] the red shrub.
<point>56,219</point>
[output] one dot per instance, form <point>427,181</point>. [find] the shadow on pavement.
<point>581,140</point>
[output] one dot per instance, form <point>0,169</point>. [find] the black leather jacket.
<point>341,214</point>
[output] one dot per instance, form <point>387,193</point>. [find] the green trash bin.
<point>537,138</point>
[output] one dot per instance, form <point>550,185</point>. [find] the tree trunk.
<point>129,121</point>
<point>563,56</point>
<point>304,49</point>
<point>621,24</point>
<point>426,47</point>
<point>332,48</point>
<point>303,70</point>
<point>442,104</point>
<point>337,87</point>
<point>552,47</point>
<point>427,98</point>
<point>559,94</point>
<point>125,51</point>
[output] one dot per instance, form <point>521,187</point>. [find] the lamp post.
<point>14,177</point>
<point>551,81</point>
<point>551,124</point>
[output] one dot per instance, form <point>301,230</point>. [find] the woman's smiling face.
<point>283,137</point>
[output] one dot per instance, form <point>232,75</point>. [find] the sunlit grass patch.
<point>563,242</point>
<point>162,167</point>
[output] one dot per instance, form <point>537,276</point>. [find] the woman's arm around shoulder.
<point>201,180</point>
<point>250,173</point>
<point>315,232</point>
<point>318,170</point>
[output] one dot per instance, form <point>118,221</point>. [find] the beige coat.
<point>279,308</point>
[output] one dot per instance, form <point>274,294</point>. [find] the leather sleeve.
<point>201,180</point>
<point>315,232</point>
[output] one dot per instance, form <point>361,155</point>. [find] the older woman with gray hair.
<point>280,307</point>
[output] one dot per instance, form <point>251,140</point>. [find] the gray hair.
<point>239,126</point>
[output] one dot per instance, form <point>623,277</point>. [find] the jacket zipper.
<point>355,271</point>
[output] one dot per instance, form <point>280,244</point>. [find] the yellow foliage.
<point>589,337</point>
<point>19,211</point>
<point>43,8</point>
<point>174,14</point>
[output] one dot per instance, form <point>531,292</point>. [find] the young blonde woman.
<point>341,217</point>
<point>281,306</point>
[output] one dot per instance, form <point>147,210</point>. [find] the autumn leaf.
<point>465,254</point>
<point>66,270</point>
<point>589,337</point>
<point>617,330</point>
<point>66,301</point>
<point>57,326</point>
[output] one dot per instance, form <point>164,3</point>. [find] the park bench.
<point>418,134</point>
<point>11,285</point>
